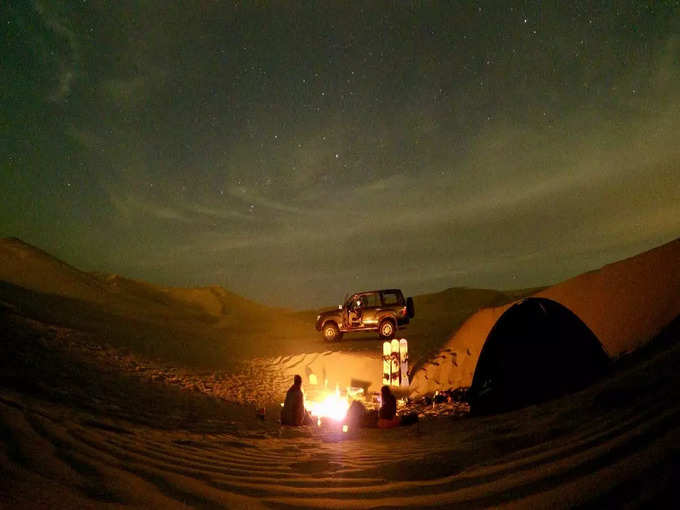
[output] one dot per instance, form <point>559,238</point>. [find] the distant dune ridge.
<point>198,327</point>
<point>34,269</point>
<point>624,304</point>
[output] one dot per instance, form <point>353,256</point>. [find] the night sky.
<point>296,151</point>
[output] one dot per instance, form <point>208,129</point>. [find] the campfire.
<point>330,405</point>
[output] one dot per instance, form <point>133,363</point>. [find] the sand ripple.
<point>94,463</point>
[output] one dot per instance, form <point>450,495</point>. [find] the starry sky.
<point>296,151</point>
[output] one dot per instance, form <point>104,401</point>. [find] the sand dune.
<point>31,268</point>
<point>198,326</point>
<point>624,304</point>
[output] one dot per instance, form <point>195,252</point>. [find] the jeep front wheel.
<point>331,332</point>
<point>386,329</point>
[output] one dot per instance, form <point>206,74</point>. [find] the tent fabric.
<point>624,304</point>
<point>537,350</point>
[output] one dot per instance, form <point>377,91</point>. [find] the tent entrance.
<point>537,350</point>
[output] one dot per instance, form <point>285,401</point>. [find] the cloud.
<point>134,208</point>
<point>250,197</point>
<point>67,62</point>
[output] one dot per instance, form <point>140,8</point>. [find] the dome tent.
<point>538,349</point>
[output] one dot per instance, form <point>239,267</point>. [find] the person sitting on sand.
<point>293,411</point>
<point>387,416</point>
<point>358,416</point>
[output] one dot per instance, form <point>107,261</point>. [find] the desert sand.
<point>119,393</point>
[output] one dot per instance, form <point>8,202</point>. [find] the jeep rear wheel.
<point>386,329</point>
<point>331,333</point>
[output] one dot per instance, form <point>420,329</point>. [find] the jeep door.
<point>370,306</point>
<point>349,310</point>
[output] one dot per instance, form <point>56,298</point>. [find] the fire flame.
<point>332,406</point>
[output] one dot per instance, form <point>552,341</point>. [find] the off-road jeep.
<point>383,311</point>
